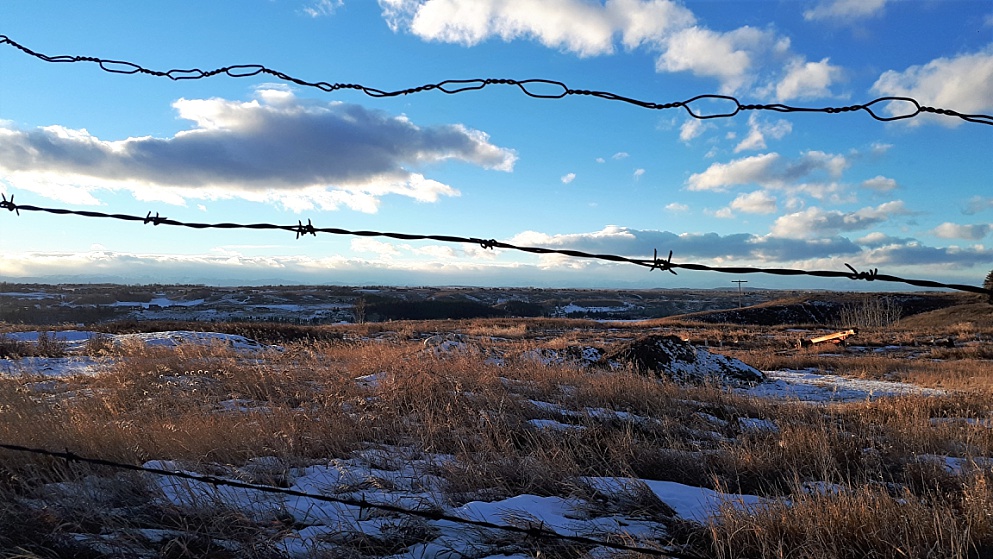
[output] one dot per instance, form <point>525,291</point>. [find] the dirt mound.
<point>672,357</point>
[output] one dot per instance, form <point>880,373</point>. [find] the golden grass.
<point>205,405</point>
<point>861,521</point>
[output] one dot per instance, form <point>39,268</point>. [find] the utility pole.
<point>739,282</point>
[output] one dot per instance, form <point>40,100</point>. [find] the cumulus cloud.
<point>815,221</point>
<point>962,83</point>
<point>274,148</point>
<point>638,173</point>
<point>758,202</point>
<point>880,184</point>
<point>731,57</point>
<point>568,177</point>
<point>620,155</point>
<point>807,80</point>
<point>570,25</point>
<point>758,130</point>
<point>844,11</point>
<point>772,171</point>
<point>667,29</point>
<point>677,207</point>
<point>973,232</point>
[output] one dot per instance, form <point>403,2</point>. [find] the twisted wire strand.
<point>539,88</point>
<point>529,531</point>
<point>655,263</point>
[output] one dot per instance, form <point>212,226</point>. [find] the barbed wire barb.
<point>533,87</point>
<point>664,265</point>
<point>9,205</point>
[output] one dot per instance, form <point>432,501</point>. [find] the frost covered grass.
<point>476,425</point>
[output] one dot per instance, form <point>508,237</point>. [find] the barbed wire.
<point>538,88</point>
<point>531,531</point>
<point>655,263</point>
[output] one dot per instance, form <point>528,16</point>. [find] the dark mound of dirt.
<point>672,357</point>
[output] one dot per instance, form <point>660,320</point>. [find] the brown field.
<point>847,479</point>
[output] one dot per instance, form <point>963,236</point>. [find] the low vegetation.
<point>901,476</point>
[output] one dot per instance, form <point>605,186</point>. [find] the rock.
<point>679,360</point>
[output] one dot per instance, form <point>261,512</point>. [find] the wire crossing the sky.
<point>531,530</point>
<point>655,263</point>
<point>539,88</point>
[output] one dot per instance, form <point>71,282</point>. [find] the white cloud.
<point>962,83</point>
<point>320,8</point>
<point>818,222</point>
<point>973,232</point>
<point>880,184</point>
<point>379,248</point>
<point>844,11</point>
<point>583,28</point>
<point>731,57</point>
<point>719,176</point>
<point>638,173</point>
<point>665,28</point>
<point>879,148</point>
<point>620,155</point>
<point>759,130</point>
<point>692,128</point>
<point>600,160</point>
<point>807,80</point>
<point>772,171</point>
<point>758,202</point>
<point>276,148</point>
<point>677,207</point>
<point>568,177</point>
<point>877,239</point>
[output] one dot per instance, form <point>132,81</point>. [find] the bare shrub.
<point>870,312</point>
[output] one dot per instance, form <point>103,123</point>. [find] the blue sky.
<point>913,198</point>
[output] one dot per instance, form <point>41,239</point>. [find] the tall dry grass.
<point>211,405</point>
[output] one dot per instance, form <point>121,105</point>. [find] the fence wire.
<point>655,263</point>
<point>539,88</point>
<point>531,531</point>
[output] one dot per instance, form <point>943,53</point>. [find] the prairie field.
<point>440,438</point>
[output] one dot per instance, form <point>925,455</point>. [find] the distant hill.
<point>839,308</point>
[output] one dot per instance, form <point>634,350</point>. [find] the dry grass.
<point>857,522</point>
<point>211,405</point>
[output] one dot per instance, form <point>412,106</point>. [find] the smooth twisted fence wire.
<point>655,263</point>
<point>539,88</point>
<point>537,532</point>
